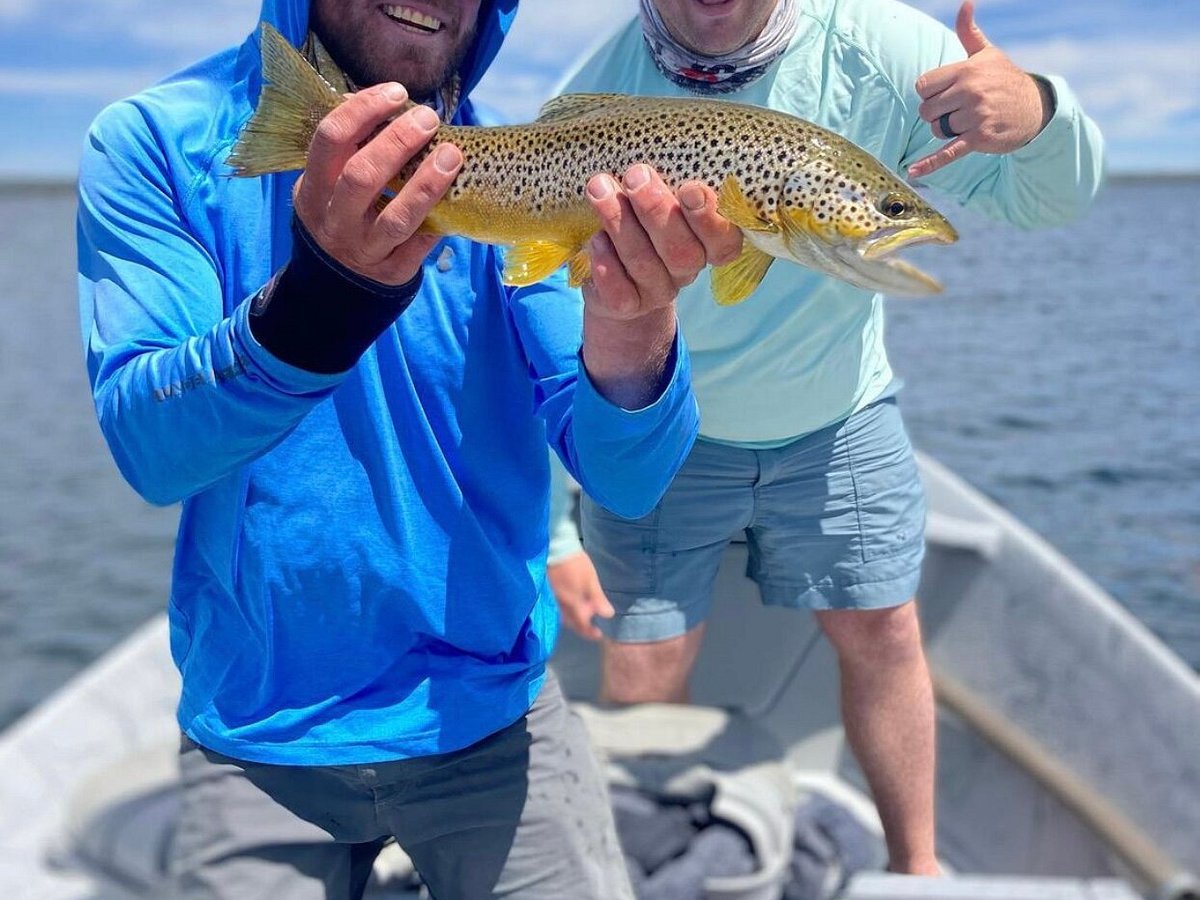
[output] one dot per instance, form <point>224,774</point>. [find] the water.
<point>1058,373</point>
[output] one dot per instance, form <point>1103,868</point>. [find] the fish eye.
<point>893,206</point>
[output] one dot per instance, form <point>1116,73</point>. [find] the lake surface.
<point>1059,373</point>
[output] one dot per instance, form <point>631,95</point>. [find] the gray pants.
<point>524,814</point>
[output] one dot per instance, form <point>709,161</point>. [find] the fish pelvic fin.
<point>734,205</point>
<point>531,261</point>
<point>580,269</point>
<point>734,282</point>
<point>572,106</point>
<point>294,99</point>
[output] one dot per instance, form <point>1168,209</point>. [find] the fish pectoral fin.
<point>734,282</point>
<point>571,106</point>
<point>734,205</point>
<point>531,261</point>
<point>580,269</point>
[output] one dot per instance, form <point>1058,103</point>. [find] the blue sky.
<point>1134,63</point>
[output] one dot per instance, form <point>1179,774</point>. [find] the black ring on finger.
<point>944,126</point>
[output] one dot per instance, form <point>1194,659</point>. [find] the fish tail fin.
<point>294,99</point>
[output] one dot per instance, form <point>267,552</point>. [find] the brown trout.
<point>797,191</point>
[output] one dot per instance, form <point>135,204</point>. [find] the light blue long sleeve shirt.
<point>360,567</point>
<point>805,350</point>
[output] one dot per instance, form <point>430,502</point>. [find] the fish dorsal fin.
<point>734,205</point>
<point>572,106</point>
<point>734,282</point>
<point>531,261</point>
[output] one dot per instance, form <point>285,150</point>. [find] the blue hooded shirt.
<point>360,566</point>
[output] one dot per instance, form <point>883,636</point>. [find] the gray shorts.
<point>524,813</point>
<point>833,520</point>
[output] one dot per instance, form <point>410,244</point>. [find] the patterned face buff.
<point>718,74</point>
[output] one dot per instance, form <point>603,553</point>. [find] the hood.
<point>495,18</point>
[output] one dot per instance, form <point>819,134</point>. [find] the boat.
<point>1068,739</point>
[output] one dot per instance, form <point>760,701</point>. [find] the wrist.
<point>317,315</point>
<point>1047,99</point>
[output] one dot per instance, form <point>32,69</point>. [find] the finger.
<point>938,105</point>
<point>339,135</point>
<point>933,82</point>
<point>722,239</point>
<point>969,34</point>
<point>945,126</point>
<point>610,291</point>
<point>956,149</point>
<point>404,213</point>
<point>367,172</point>
<point>659,213</point>
<point>601,605</point>
<point>635,252</point>
<point>585,629</point>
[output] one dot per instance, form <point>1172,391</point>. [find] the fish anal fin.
<point>571,106</point>
<point>734,282</point>
<point>580,269</point>
<point>734,205</point>
<point>531,261</point>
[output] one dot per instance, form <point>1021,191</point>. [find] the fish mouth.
<point>413,19</point>
<point>875,268</point>
<point>889,240</point>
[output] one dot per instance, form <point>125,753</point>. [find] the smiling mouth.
<point>413,19</point>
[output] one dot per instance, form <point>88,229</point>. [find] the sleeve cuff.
<point>1065,106</point>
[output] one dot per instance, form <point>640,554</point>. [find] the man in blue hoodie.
<point>354,416</point>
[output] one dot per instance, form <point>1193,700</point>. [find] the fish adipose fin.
<point>531,261</point>
<point>733,204</point>
<point>572,106</point>
<point>734,282</point>
<point>294,98</point>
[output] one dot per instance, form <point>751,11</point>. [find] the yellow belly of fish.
<point>538,244</point>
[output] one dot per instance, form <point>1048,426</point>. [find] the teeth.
<point>410,16</point>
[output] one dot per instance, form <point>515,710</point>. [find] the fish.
<point>797,191</point>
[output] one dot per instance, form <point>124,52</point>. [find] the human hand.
<point>652,242</point>
<point>350,165</point>
<point>990,104</point>
<point>577,589</point>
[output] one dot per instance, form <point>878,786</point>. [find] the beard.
<point>367,60</point>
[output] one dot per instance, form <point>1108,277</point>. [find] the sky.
<point>1135,64</point>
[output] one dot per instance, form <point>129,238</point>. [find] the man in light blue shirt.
<point>801,443</point>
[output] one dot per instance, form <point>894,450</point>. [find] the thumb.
<point>971,35</point>
<point>601,605</point>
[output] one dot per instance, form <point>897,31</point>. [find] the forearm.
<point>627,359</point>
<point>181,418</point>
<point>625,459</point>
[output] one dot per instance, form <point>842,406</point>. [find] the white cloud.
<point>1140,88</point>
<point>1130,86</point>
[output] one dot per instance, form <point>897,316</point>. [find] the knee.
<point>655,672</point>
<point>881,637</point>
